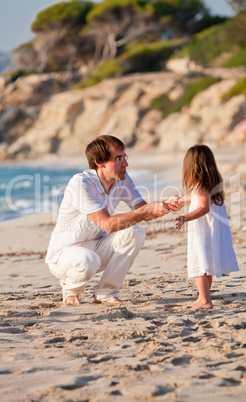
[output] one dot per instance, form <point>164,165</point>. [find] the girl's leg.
<point>203,284</point>
<point>193,303</point>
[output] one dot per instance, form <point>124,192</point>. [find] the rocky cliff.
<point>40,115</point>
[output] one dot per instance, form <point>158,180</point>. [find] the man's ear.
<point>100,164</point>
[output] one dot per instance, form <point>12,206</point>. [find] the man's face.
<point>115,168</point>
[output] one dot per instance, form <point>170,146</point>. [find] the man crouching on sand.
<point>87,237</point>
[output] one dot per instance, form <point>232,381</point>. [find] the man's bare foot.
<point>71,300</point>
<point>112,300</point>
<point>205,306</point>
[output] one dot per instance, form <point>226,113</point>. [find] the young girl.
<point>210,249</point>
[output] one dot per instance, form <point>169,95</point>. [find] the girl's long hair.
<point>200,169</point>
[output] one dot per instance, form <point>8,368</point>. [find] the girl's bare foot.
<point>202,305</point>
<point>191,304</point>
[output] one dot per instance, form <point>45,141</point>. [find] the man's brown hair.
<point>98,150</point>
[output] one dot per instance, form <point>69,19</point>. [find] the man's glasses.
<point>120,158</point>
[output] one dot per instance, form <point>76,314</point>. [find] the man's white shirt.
<point>85,195</point>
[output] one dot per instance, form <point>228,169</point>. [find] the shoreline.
<point>162,173</point>
<point>159,170</point>
<point>154,157</point>
<point>150,176</point>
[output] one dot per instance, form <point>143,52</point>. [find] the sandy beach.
<point>153,347</point>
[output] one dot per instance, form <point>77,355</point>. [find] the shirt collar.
<point>96,180</point>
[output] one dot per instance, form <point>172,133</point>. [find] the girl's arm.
<point>204,202</point>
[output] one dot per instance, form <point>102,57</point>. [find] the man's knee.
<point>134,235</point>
<point>139,234</point>
<point>91,264</point>
<point>87,264</point>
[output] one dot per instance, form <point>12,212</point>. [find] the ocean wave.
<point>3,186</point>
<point>13,186</point>
<point>24,184</point>
<point>23,204</point>
<point>26,191</point>
<point>138,174</point>
<point>58,190</point>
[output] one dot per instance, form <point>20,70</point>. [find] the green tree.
<point>183,13</point>
<point>114,23</point>
<point>26,57</point>
<point>237,5</point>
<point>71,13</point>
<point>229,37</point>
<point>57,36</point>
<point>78,33</point>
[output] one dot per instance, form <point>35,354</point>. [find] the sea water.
<point>26,190</point>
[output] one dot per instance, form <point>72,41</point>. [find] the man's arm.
<point>173,204</point>
<point>143,212</point>
<point>140,204</point>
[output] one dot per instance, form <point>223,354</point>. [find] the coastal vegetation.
<point>117,37</point>
<point>238,89</point>
<point>190,88</point>
<point>79,43</point>
<point>137,58</point>
<point>206,47</point>
<point>105,69</point>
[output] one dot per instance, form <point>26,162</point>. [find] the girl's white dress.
<point>210,249</point>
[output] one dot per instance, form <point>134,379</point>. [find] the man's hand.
<point>179,221</point>
<point>155,210</point>
<point>174,204</point>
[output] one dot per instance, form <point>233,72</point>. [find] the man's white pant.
<point>113,253</point>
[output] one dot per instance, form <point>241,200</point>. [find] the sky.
<point>16,17</point>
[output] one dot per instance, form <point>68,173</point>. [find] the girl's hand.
<point>179,221</point>
<point>173,204</point>
<point>181,202</point>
